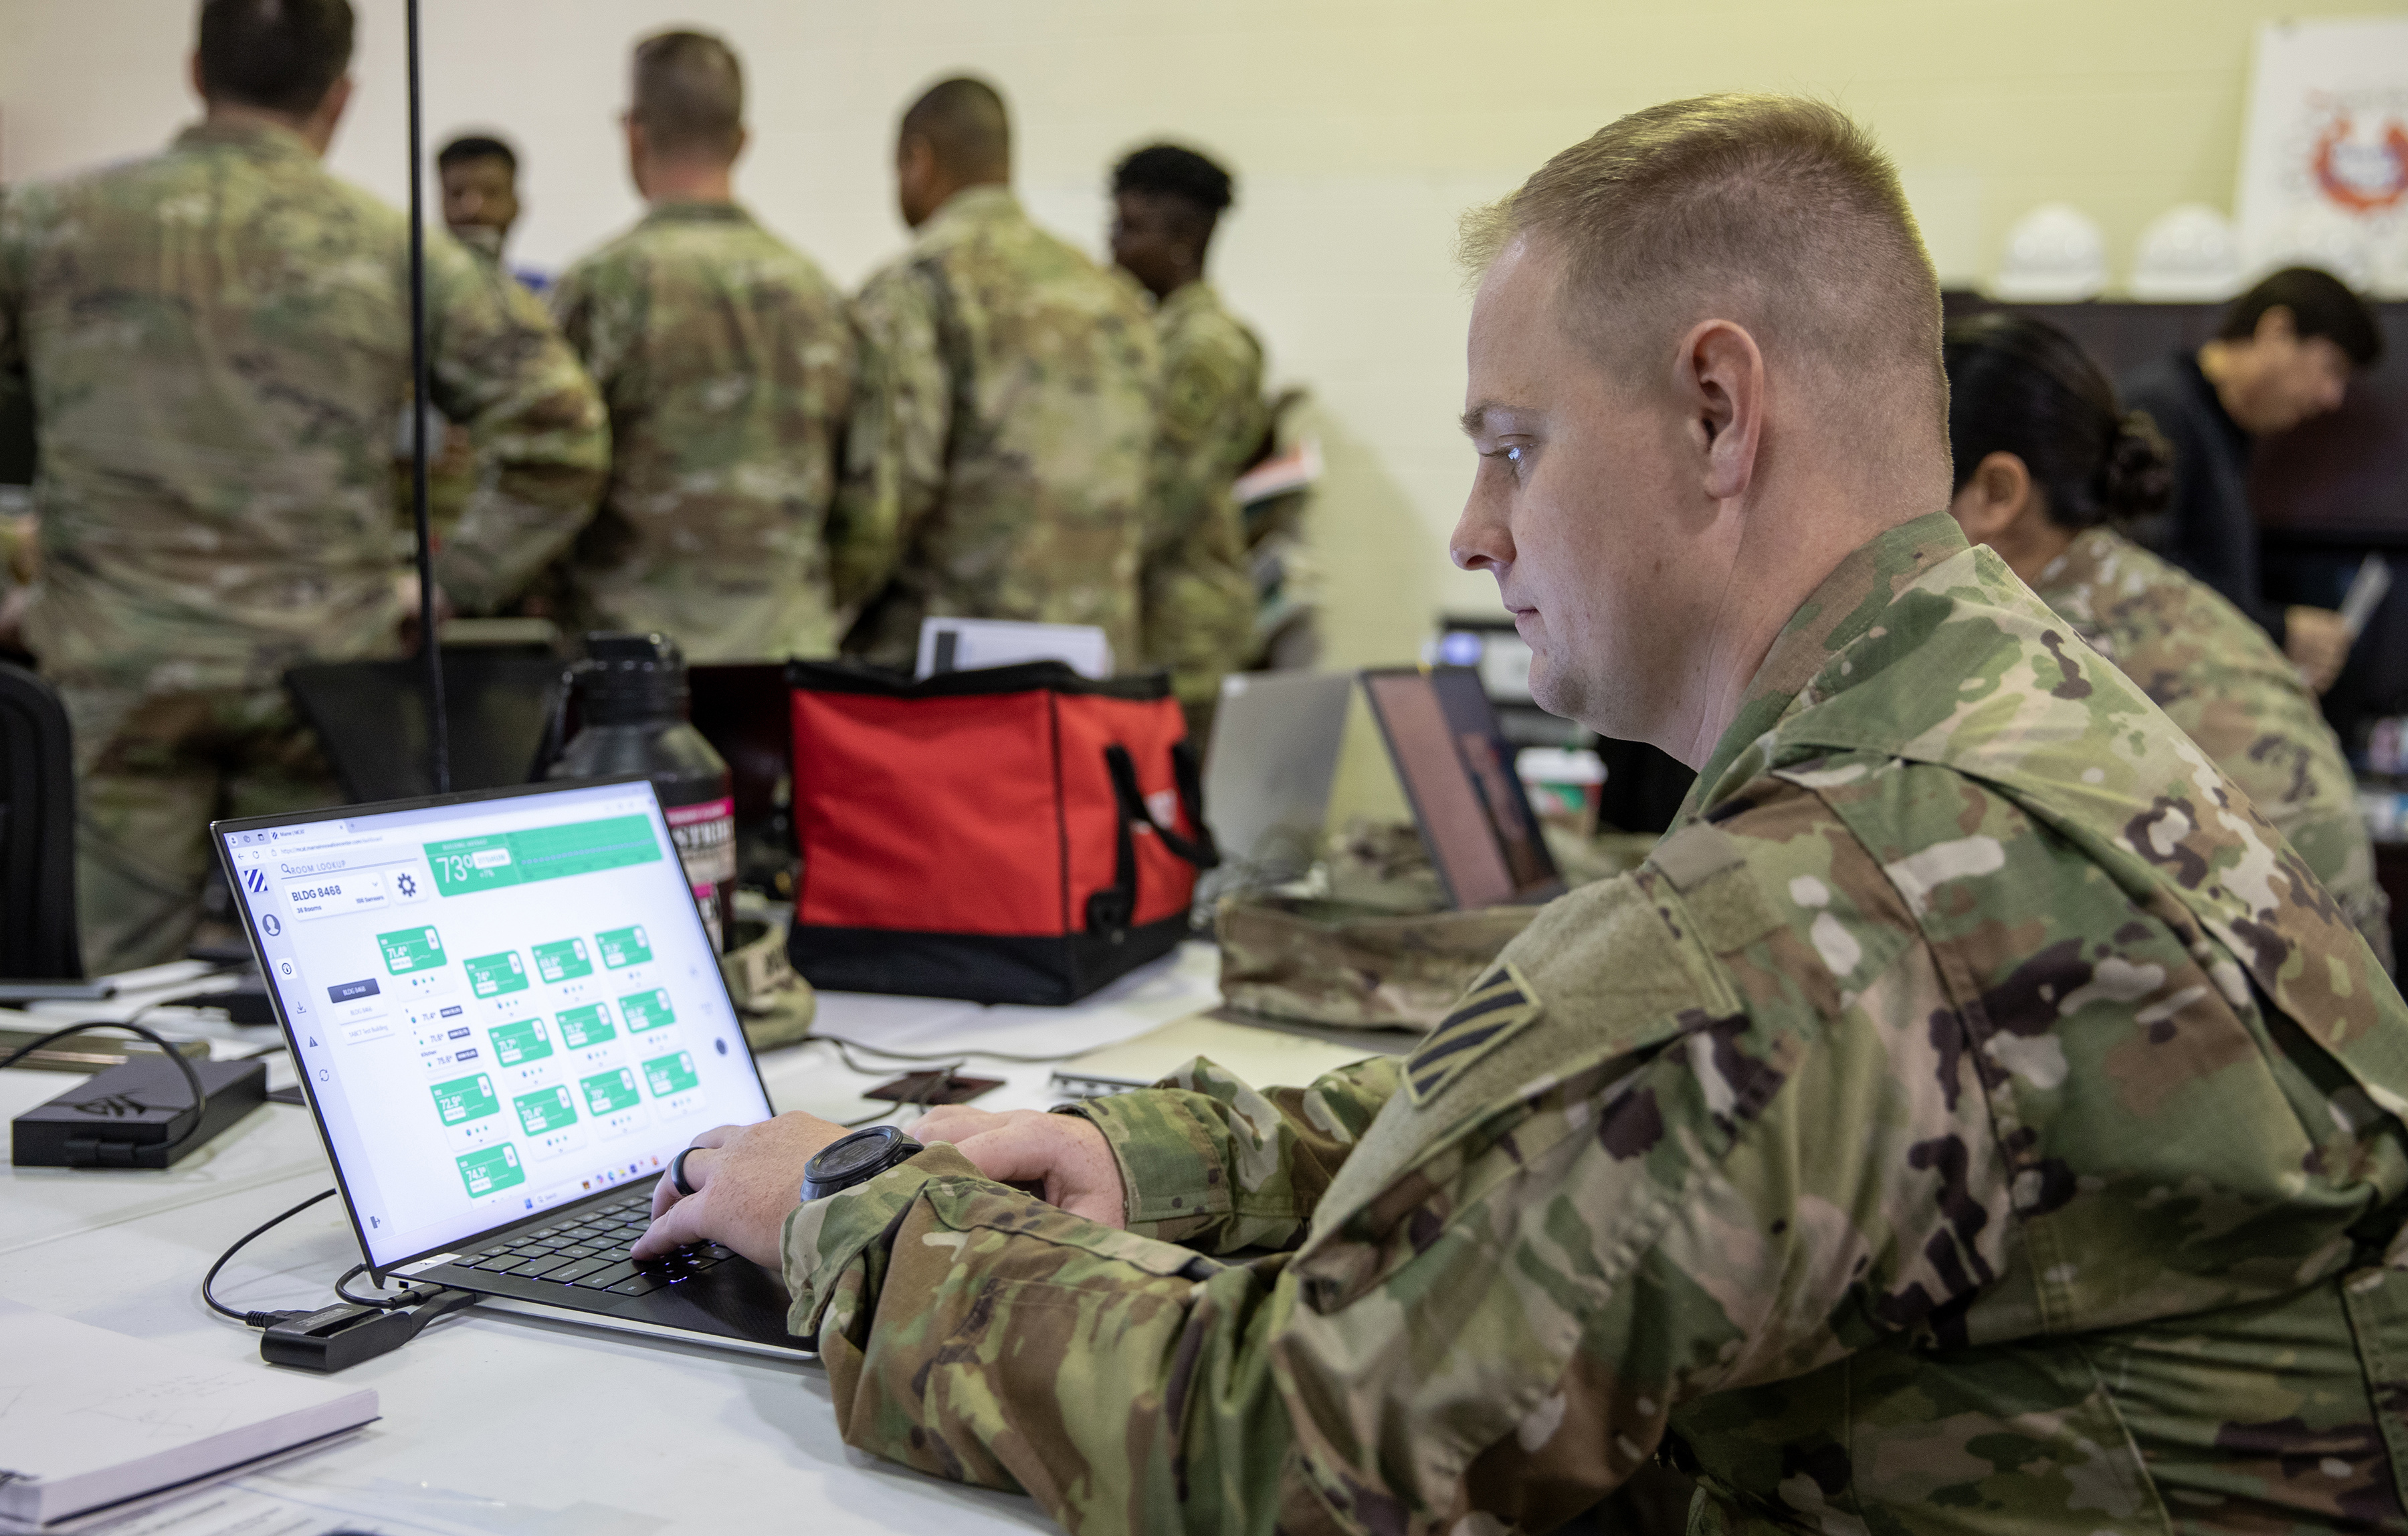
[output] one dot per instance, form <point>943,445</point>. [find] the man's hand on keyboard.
<point>1064,1153</point>
<point>744,1184</point>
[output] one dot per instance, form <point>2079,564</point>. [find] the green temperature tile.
<point>624,947</point>
<point>671,1074</point>
<point>563,962</point>
<point>495,1168</point>
<point>586,1026</point>
<point>647,1010</point>
<point>490,976</point>
<point>466,865</point>
<point>465,1099</point>
<point>545,1109</point>
<point>520,1040</point>
<point>409,949</point>
<point>607,1092</point>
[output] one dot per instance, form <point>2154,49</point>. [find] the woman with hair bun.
<point>2047,463</point>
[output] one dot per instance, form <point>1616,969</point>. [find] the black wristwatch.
<point>855,1159</point>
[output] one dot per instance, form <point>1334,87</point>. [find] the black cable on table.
<point>256,1319</point>
<point>865,1047</point>
<point>408,1297</point>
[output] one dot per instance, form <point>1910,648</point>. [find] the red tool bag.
<point>1012,835</point>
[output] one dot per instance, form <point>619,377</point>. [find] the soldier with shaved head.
<point>1001,440</point>
<point>726,361</point>
<point>1973,1116</point>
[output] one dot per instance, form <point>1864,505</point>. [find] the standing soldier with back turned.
<point>1197,592</point>
<point>999,454</point>
<point>726,362</point>
<point>217,345</point>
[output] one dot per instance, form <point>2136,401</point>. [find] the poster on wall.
<point>2324,151</point>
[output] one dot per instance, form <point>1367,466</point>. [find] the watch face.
<point>859,1153</point>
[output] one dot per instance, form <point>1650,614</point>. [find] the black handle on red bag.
<point>1111,909</point>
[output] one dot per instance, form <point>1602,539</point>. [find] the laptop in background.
<point>1457,769</point>
<point>508,1020</point>
<point>1267,772</point>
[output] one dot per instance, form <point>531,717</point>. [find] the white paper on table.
<point>90,1418</point>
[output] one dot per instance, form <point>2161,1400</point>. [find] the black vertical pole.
<point>438,724</point>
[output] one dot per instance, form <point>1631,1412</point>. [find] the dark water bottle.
<point>633,716</point>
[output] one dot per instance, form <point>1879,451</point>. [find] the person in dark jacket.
<point>2285,353</point>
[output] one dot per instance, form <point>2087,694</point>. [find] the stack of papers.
<point>93,1423</point>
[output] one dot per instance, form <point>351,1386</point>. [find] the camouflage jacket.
<point>1972,1118</point>
<point>2216,675</point>
<point>1196,589</point>
<point>217,345</point>
<point>1000,451</point>
<point>726,362</point>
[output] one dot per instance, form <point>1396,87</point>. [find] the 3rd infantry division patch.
<point>1496,1009</point>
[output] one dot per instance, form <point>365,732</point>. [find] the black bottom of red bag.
<point>976,968</point>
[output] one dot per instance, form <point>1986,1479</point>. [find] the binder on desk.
<point>1255,1056</point>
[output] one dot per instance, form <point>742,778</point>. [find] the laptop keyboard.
<point>590,1249</point>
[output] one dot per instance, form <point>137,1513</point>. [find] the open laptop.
<point>1267,770</point>
<point>1457,768</point>
<point>508,1020</point>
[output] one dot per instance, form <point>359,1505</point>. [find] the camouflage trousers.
<point>152,771</point>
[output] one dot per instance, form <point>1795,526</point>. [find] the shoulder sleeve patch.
<point>1498,1006</point>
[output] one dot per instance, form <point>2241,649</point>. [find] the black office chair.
<point>371,717</point>
<point>38,941</point>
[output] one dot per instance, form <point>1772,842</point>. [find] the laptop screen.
<point>1457,770</point>
<point>500,1003</point>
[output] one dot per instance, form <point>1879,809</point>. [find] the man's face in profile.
<point>1575,505</point>
<point>479,193</point>
<point>2303,379</point>
<point>1151,239</point>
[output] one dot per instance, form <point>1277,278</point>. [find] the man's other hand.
<point>745,1182</point>
<point>1064,1153</point>
<point>2318,642</point>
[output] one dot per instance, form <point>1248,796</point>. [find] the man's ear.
<point>192,73</point>
<point>743,142</point>
<point>1720,387</point>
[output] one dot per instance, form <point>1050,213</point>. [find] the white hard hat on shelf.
<point>2056,254</point>
<point>2316,235</point>
<point>2188,254</point>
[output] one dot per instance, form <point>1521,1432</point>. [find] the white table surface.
<point>508,1424</point>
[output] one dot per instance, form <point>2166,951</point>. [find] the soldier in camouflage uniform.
<point>1196,589</point>
<point>1972,1117</point>
<point>217,340</point>
<point>480,181</point>
<point>999,453</point>
<point>726,362</point>
<point>2043,458</point>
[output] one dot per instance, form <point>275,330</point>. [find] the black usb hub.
<point>136,1116</point>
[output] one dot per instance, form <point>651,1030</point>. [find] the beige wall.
<point>1358,130</point>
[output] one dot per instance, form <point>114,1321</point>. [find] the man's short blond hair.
<point>689,95</point>
<point>1777,212</point>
